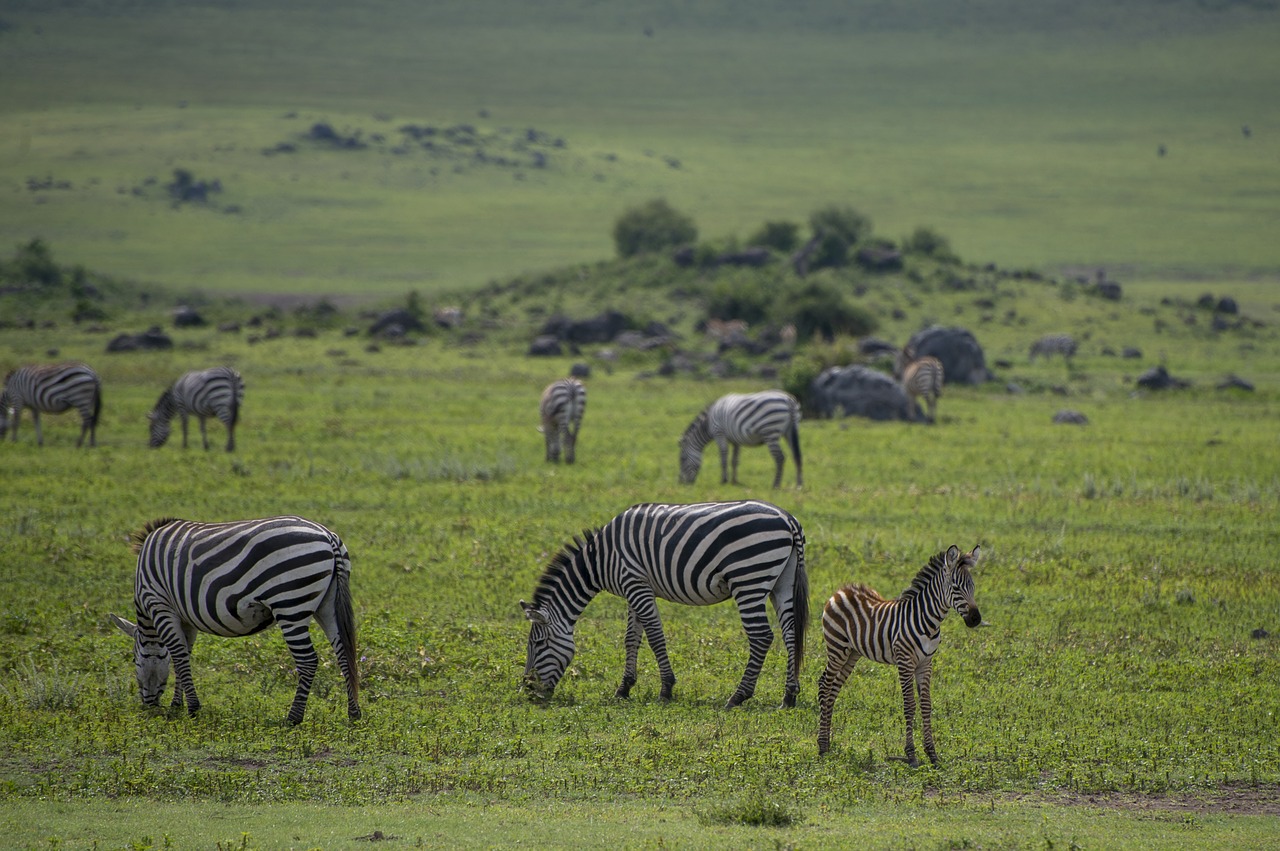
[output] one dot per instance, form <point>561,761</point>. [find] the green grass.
<point>1023,147</point>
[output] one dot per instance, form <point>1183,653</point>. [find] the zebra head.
<point>160,418</point>
<point>962,584</point>
<point>695,437</point>
<point>150,661</point>
<point>551,649</point>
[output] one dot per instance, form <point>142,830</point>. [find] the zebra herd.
<point>55,388</point>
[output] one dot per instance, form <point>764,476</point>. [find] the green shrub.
<point>780,236</point>
<point>839,229</point>
<point>652,227</point>
<point>927,242</point>
<point>820,308</point>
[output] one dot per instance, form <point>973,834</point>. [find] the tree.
<point>652,227</point>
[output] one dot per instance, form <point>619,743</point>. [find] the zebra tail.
<point>800,600</point>
<point>346,618</point>
<point>794,437</point>
<point>97,404</point>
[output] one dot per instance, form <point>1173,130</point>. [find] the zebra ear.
<point>953,555</point>
<point>533,613</point>
<point>973,556</point>
<point>127,628</point>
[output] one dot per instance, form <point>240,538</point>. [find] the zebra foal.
<point>922,378</point>
<point>561,408</point>
<point>698,554</point>
<point>235,579</point>
<point>741,420</point>
<point>52,389</point>
<point>216,392</point>
<point>858,622</point>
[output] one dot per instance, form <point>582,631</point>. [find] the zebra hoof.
<point>789,701</point>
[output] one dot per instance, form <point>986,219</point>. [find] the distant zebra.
<point>235,579</point>
<point>1054,344</point>
<point>922,378</point>
<point>743,420</point>
<point>216,392</point>
<point>858,622</point>
<point>562,406</point>
<point>696,554</point>
<point>52,389</point>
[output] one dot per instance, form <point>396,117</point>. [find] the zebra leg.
<point>635,636</point>
<point>759,636</point>
<point>906,678</point>
<point>552,435</point>
<point>231,436</point>
<point>180,638</point>
<point>788,626</point>
<point>839,665</point>
<point>926,711</point>
<point>35,416</point>
<point>327,617</point>
<point>183,416</point>
<point>724,460</point>
<point>306,660</point>
<point>736,450</point>
<point>570,444</point>
<point>84,430</point>
<point>204,433</point>
<point>646,612</point>
<point>776,451</point>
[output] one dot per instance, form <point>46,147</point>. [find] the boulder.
<point>862,392</point>
<point>1158,378</point>
<point>153,339</point>
<point>963,361</point>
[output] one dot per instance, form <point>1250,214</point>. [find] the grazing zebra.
<point>234,579</point>
<point>743,420</point>
<point>696,554</point>
<point>1054,344</point>
<point>52,389</point>
<point>858,622</point>
<point>922,379</point>
<point>216,392</point>
<point>561,409</point>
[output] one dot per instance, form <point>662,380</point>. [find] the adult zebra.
<point>1054,344</point>
<point>739,419</point>
<point>561,408</point>
<point>922,378</point>
<point>697,554</point>
<point>216,392</point>
<point>52,389</point>
<point>858,622</point>
<point>234,579</point>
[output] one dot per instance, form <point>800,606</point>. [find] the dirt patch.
<point>1228,799</point>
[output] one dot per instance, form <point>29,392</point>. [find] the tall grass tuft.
<point>38,690</point>
<point>756,808</point>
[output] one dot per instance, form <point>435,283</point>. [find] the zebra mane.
<point>559,564</point>
<point>937,563</point>
<point>140,536</point>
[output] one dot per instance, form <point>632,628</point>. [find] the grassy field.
<point>1027,134</point>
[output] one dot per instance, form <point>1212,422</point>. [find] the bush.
<point>929,243</point>
<point>780,236</point>
<point>747,297</point>
<point>820,308</point>
<point>652,227</point>
<point>839,229</point>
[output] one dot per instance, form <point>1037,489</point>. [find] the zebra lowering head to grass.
<point>235,579</point>
<point>216,392</point>
<point>52,389</point>
<point>922,378</point>
<point>743,420</point>
<point>698,555</point>
<point>1054,344</point>
<point>562,406</point>
<point>858,622</point>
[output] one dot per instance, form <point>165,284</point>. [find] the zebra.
<point>743,420</point>
<point>234,579</point>
<point>563,403</point>
<point>216,392</point>
<point>922,378</point>
<point>858,622</point>
<point>1054,344</point>
<point>696,554</point>
<point>52,389</point>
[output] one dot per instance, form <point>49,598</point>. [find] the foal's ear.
<point>973,555</point>
<point>952,556</point>
<point>127,628</point>
<point>533,613</point>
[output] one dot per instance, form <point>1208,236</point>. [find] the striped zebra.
<point>216,392</point>
<point>922,378</point>
<point>858,622</point>
<point>234,579</point>
<point>696,554</point>
<point>1054,344</point>
<point>563,403</point>
<point>743,420</point>
<point>52,389</point>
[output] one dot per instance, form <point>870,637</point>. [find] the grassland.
<point>1119,698</point>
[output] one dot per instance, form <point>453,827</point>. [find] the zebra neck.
<point>571,581</point>
<point>698,434</point>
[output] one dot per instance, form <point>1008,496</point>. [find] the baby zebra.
<point>922,379</point>
<point>743,420</point>
<point>561,409</point>
<point>858,622</point>
<point>216,392</point>
<point>52,389</point>
<point>234,579</point>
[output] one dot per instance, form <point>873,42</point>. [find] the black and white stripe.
<point>741,420</point>
<point>216,392</point>
<point>858,622</point>
<point>698,555</point>
<point>234,579</point>
<point>561,409</point>
<point>52,389</point>
<point>1054,344</point>
<point>922,378</point>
